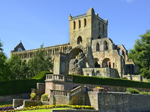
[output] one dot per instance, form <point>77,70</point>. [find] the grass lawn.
<point>45,110</point>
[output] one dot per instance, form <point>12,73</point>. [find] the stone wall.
<point>69,86</point>
<point>9,98</point>
<point>118,102</point>
<point>29,103</point>
<point>101,72</point>
<point>59,99</point>
<point>78,99</point>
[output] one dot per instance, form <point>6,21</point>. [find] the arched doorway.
<point>97,65</point>
<point>106,62</point>
<point>75,52</point>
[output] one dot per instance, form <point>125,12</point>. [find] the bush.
<point>44,97</point>
<point>33,96</point>
<point>132,91</point>
<point>125,78</point>
<point>109,81</point>
<point>144,92</point>
<point>22,86</point>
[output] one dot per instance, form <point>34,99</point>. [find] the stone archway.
<point>77,61</point>
<point>75,53</point>
<point>106,62</point>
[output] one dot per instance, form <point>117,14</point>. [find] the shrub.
<point>22,86</point>
<point>109,81</point>
<point>144,92</point>
<point>33,96</point>
<point>98,87</point>
<point>125,78</point>
<point>132,91</point>
<point>44,97</point>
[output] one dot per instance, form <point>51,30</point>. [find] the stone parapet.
<point>56,77</point>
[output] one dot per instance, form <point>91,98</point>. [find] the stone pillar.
<point>51,102</point>
<point>59,64</point>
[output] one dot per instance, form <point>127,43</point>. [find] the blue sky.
<point>37,22</point>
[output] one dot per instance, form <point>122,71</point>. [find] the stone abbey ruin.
<point>89,51</point>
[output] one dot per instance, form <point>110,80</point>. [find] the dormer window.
<point>19,49</point>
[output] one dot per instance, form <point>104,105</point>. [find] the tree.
<point>40,62</point>
<point>4,69</point>
<point>141,54</point>
<point>18,67</point>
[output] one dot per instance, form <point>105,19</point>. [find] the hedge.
<point>109,81</point>
<point>21,86</point>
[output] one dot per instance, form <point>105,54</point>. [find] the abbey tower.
<point>86,27</point>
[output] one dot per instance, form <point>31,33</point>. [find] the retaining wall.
<point>118,102</point>
<point>9,98</point>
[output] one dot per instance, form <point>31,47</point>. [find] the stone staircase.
<point>66,97</point>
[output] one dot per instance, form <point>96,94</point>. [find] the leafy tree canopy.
<point>18,67</point>
<point>4,69</point>
<point>141,54</point>
<point>40,62</point>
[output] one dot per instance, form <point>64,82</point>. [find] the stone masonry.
<point>89,51</point>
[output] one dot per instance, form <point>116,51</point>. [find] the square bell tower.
<point>86,27</point>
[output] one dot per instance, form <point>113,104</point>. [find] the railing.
<point>54,77</point>
<point>76,90</point>
<point>74,17</point>
<point>60,92</point>
<point>67,93</point>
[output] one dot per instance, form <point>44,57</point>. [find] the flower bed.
<point>4,108</point>
<point>57,106</point>
<point>10,109</point>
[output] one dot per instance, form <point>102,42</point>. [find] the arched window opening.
<point>109,65</point>
<point>119,51</point>
<point>105,45</point>
<point>56,50</point>
<point>103,28</point>
<point>79,24</point>
<point>74,25</point>
<point>97,65</point>
<point>87,75</point>
<point>84,22</point>
<point>99,37</point>
<point>79,40</point>
<point>105,63</point>
<point>99,26</point>
<point>97,47</point>
<point>113,65</point>
<point>123,54</point>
